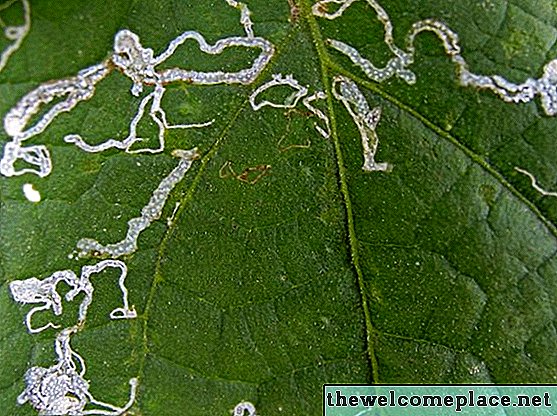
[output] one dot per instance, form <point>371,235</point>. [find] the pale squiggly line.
<point>348,93</point>
<point>63,390</point>
<point>319,95</point>
<point>139,64</point>
<point>17,34</point>
<point>150,212</point>
<point>245,16</point>
<point>535,183</point>
<point>277,80</point>
<point>291,101</point>
<point>545,87</point>
<point>33,291</point>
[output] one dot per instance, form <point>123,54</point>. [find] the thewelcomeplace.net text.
<point>456,401</point>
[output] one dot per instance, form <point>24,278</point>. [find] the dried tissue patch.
<point>250,175</point>
<point>62,389</point>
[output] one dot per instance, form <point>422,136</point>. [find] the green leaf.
<point>263,289</point>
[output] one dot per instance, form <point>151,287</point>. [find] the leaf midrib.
<point>329,65</point>
<point>343,182</point>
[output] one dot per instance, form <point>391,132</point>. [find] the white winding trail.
<point>140,65</point>
<point>150,212</point>
<point>545,87</point>
<point>17,34</point>
<point>535,183</point>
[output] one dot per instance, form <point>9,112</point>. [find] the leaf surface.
<point>440,271</point>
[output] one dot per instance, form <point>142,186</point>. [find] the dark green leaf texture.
<point>441,271</point>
